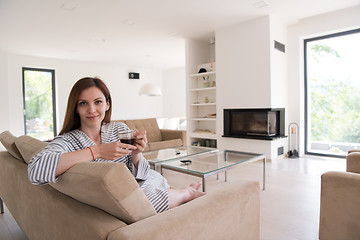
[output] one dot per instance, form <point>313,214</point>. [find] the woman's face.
<point>92,106</point>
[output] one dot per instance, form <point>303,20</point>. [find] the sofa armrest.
<point>229,212</point>
<point>44,213</point>
<point>168,134</point>
<point>339,207</point>
<point>353,162</point>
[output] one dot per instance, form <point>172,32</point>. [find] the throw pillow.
<point>109,186</point>
<point>29,147</point>
<point>8,140</point>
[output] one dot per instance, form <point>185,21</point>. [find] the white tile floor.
<point>290,205</point>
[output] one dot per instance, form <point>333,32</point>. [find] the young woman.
<point>88,135</point>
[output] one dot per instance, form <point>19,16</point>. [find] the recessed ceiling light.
<point>97,40</point>
<point>260,4</point>
<point>128,22</point>
<point>68,6</point>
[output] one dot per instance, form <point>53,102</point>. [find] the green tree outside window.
<point>39,101</point>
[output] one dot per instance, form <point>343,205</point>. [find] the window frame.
<point>52,71</point>
<point>338,34</point>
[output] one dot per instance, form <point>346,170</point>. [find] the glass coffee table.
<point>211,163</point>
<point>155,158</point>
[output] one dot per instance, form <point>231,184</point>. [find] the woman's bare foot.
<point>180,196</point>
<point>194,191</point>
<point>196,185</point>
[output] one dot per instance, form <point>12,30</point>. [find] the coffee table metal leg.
<point>1,206</point>
<point>203,184</point>
<point>264,167</point>
<point>226,157</point>
<point>157,167</point>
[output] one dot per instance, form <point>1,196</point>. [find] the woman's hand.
<point>112,151</point>
<point>140,143</point>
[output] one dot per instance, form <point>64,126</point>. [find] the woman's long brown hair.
<point>72,118</point>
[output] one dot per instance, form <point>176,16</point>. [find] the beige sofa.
<point>340,200</point>
<point>157,138</point>
<point>91,201</point>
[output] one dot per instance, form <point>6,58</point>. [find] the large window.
<point>39,103</point>
<point>332,83</point>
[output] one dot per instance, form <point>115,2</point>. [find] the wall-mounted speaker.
<point>134,75</point>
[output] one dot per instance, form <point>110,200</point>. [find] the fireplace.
<point>257,123</point>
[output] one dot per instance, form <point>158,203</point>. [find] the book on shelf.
<point>206,131</point>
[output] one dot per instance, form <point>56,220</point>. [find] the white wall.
<point>127,104</point>
<point>279,83</point>
<point>4,89</point>
<point>242,63</point>
<point>332,22</point>
<point>174,92</point>
<point>251,74</point>
<point>278,66</point>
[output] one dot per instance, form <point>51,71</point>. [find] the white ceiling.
<point>101,30</point>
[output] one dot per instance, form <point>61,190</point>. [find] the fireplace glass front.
<point>253,123</point>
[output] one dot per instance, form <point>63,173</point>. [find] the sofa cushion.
<point>109,186</point>
<point>353,162</point>
<point>8,140</point>
<point>29,146</point>
<point>153,133</point>
<point>165,144</point>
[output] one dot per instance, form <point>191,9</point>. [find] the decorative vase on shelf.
<point>206,82</point>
